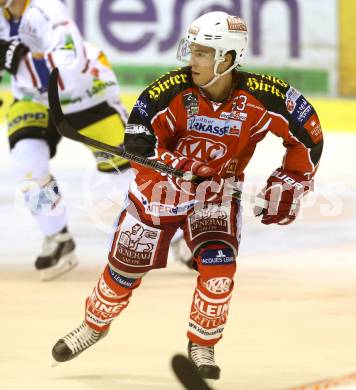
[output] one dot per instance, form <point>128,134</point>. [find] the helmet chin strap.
<point>218,75</point>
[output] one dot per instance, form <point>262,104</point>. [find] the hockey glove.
<point>208,185</point>
<point>283,192</point>
<point>11,53</point>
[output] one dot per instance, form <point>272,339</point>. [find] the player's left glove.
<point>11,53</point>
<point>283,192</point>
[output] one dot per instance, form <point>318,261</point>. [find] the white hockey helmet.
<point>220,31</point>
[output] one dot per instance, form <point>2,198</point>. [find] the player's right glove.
<point>11,53</point>
<point>283,192</point>
<point>209,185</point>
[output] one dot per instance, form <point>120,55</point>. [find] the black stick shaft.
<point>67,130</point>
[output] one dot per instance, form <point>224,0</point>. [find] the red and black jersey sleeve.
<point>291,117</point>
<point>151,123</point>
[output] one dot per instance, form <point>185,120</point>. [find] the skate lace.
<point>49,245</point>
<point>202,355</point>
<point>81,338</point>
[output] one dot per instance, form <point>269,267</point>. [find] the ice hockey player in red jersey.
<point>207,119</point>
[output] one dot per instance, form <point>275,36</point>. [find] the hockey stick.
<point>190,379</point>
<point>348,379</point>
<point>66,129</point>
<point>187,374</point>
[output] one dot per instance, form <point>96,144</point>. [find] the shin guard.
<point>216,265</point>
<point>110,296</point>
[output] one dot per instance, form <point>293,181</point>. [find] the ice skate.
<point>57,256</point>
<point>75,342</point>
<point>203,359</point>
<point>182,253</point>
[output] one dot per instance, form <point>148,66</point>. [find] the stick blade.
<point>187,374</point>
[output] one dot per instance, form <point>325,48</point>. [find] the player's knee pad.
<point>121,282</point>
<point>217,266</point>
<point>42,197</point>
<point>30,159</point>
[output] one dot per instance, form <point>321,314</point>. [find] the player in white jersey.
<point>35,37</point>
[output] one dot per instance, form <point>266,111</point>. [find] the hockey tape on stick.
<point>67,130</point>
<point>187,374</point>
<point>331,383</point>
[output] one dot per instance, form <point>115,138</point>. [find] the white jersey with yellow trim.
<point>86,77</point>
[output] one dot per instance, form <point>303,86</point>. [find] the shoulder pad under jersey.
<point>165,88</point>
<point>269,90</point>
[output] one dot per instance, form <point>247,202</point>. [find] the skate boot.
<point>203,360</point>
<point>182,253</point>
<point>57,255</point>
<point>75,342</point>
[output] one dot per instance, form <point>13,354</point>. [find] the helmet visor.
<point>195,54</point>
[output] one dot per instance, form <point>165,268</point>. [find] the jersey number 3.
<point>240,103</point>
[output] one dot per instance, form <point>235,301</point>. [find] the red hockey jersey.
<point>174,115</point>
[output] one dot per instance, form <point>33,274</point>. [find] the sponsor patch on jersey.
<point>218,256</point>
<point>137,129</point>
<point>201,148</point>
<point>191,104</point>
<point>255,84</point>
<point>141,107</point>
<point>238,115</point>
<point>314,128</point>
<point>225,115</point>
<point>164,84</point>
<point>98,86</point>
<point>292,95</point>
<point>162,210</point>
<point>302,111</point>
<point>214,126</point>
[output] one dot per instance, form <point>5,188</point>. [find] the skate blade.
<point>64,265</point>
